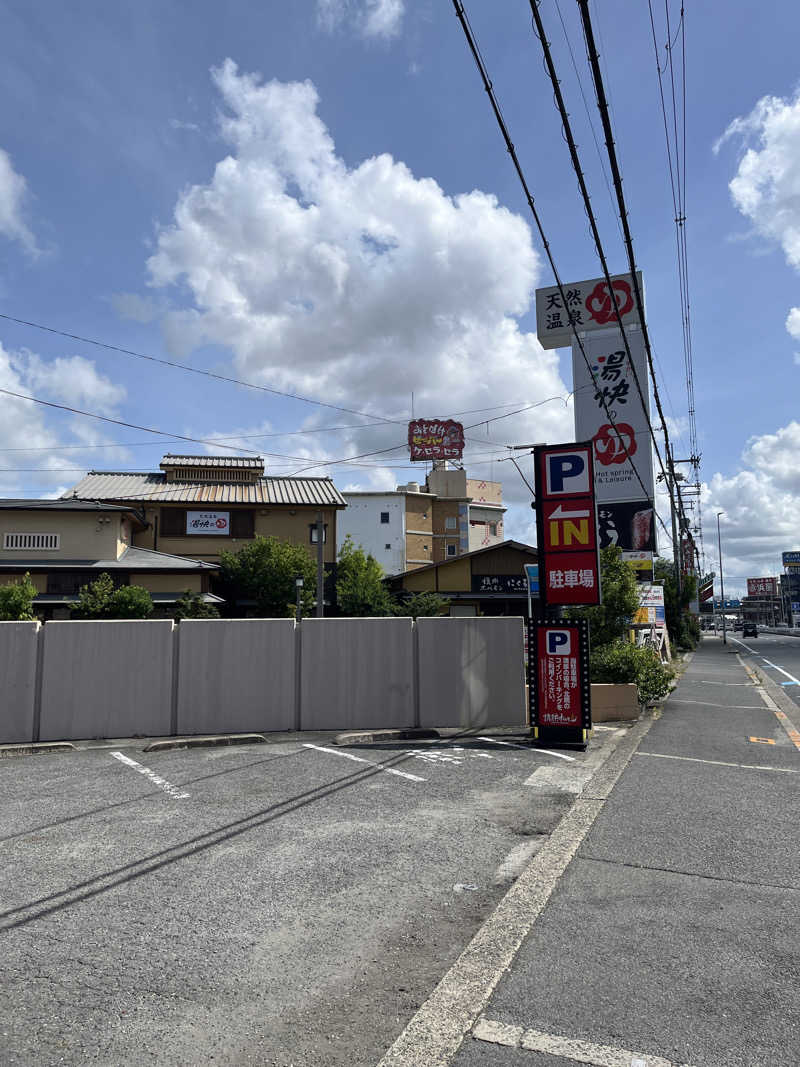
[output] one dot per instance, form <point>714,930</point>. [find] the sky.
<point>314,198</point>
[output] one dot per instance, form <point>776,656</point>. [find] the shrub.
<point>16,600</point>
<point>623,662</point>
<point>100,600</point>
<point>422,604</point>
<point>192,606</point>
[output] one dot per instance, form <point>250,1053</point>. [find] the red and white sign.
<point>569,566</point>
<point>208,523</point>
<point>762,586</point>
<point>585,305</point>
<point>435,439</point>
<point>558,676</point>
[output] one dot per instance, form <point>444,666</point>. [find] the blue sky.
<point>314,197</point>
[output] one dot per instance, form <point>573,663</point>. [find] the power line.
<point>487,84</point>
<point>602,104</point>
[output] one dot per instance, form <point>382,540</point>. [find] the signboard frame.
<point>571,501</point>
<point>548,733</point>
<point>447,434</point>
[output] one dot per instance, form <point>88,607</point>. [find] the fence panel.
<point>106,679</point>
<point>357,674</point>
<point>18,651</point>
<point>471,672</point>
<point>236,675</point>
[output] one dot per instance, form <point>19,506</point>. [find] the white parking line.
<point>497,1033</point>
<point>360,759</point>
<point>769,663</point>
<point>528,748</point>
<point>156,779</point>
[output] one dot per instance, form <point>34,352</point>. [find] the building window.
<point>451,550</point>
<point>69,583</point>
<point>451,523</point>
<point>387,547</point>
<point>312,533</point>
<point>243,524</point>
<point>384,517</point>
<point>32,542</point>
<point>173,522</point>
<point>493,529</point>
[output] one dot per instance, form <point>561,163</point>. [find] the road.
<point>281,904</point>
<point>777,655</point>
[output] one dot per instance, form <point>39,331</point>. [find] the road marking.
<point>360,759</point>
<point>708,704</point>
<point>516,861</point>
<point>156,779</point>
<point>498,1033</point>
<point>786,723</point>
<point>783,719</point>
<point>761,740</point>
<point>707,681</point>
<point>769,663</point>
<point>528,748</point>
<point>436,1031</point>
<point>721,763</point>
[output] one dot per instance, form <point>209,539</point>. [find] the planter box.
<point>611,702</point>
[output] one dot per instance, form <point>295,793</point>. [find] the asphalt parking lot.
<point>289,903</point>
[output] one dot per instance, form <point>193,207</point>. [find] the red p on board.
<point>569,565</point>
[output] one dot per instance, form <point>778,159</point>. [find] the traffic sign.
<point>532,574</point>
<point>566,525</point>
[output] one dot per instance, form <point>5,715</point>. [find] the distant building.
<point>198,505</point>
<point>414,526</point>
<point>66,544</point>
<point>489,581</point>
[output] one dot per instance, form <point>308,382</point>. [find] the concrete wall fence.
<point>82,680</point>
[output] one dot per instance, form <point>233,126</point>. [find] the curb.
<point>371,737</point>
<point>31,749</point>
<point>205,742</point>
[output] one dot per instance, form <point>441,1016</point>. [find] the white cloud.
<point>355,285</point>
<point>33,437</point>
<point>761,505</point>
<point>132,306</point>
<point>13,191</point>
<point>370,18</point>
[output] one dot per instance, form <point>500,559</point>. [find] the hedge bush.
<point>621,661</point>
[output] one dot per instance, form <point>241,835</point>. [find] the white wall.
<point>361,519</point>
<point>479,534</point>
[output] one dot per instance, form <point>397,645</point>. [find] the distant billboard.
<point>791,559</point>
<point>208,523</point>
<point>589,306</point>
<point>435,439</point>
<point>630,526</point>
<point>762,586</point>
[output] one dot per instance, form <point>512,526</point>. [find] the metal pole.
<point>298,614</point>
<point>320,569</point>
<point>721,581</point>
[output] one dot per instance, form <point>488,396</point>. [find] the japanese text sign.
<point>566,525</point>
<point>762,586</point>
<point>791,559</point>
<point>208,523</point>
<point>586,306</point>
<point>435,439</point>
<point>623,456</point>
<point>558,676</point>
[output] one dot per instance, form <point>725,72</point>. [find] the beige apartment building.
<point>416,525</point>
<point>66,544</point>
<point>196,506</point>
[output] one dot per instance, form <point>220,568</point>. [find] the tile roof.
<point>132,559</point>
<point>231,462</point>
<point>154,488</point>
<point>62,504</point>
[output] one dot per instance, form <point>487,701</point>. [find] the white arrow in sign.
<point>559,513</point>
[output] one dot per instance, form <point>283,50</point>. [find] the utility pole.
<point>721,581</point>
<point>320,567</point>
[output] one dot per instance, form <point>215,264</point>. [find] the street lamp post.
<point>298,588</point>
<point>721,581</point>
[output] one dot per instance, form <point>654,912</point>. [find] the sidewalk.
<point>671,938</point>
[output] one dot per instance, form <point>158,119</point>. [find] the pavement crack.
<point>688,874</point>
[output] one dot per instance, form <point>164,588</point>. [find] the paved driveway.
<point>289,903</point>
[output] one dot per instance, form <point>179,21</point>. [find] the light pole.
<point>298,589</point>
<point>721,581</point>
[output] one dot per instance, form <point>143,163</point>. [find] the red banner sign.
<point>569,565</point>
<point>435,439</point>
<point>558,675</point>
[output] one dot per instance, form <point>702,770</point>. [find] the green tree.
<point>190,605</point>
<point>16,600</point>
<point>611,620</point>
<point>359,583</point>
<point>683,628</point>
<point>621,661</point>
<point>264,571</point>
<point>100,600</point>
<point>422,604</point>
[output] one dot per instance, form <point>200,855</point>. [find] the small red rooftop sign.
<point>435,439</point>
